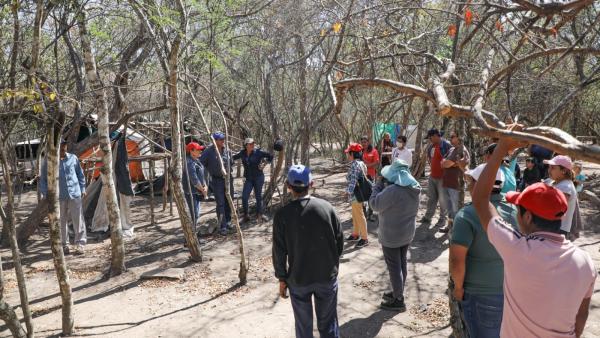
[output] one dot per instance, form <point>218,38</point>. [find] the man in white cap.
<point>475,266</point>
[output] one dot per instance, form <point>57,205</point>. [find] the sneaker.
<point>352,238</point>
<point>362,243</point>
<point>80,249</point>
<point>261,217</point>
<point>388,296</point>
<point>223,232</point>
<point>66,250</point>
<point>394,305</point>
<point>425,220</point>
<point>245,219</point>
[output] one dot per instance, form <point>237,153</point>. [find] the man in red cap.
<point>193,180</point>
<point>548,281</point>
<point>357,173</point>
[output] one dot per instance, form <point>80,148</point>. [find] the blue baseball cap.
<point>218,136</point>
<point>299,176</point>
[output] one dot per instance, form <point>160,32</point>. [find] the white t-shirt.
<point>567,187</point>
<point>404,155</point>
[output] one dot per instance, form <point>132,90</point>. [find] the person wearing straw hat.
<point>71,191</point>
<point>396,198</point>
<point>193,182</point>
<point>476,268</point>
<point>253,161</point>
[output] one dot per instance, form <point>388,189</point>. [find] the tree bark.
<point>9,222</point>
<point>117,265</point>
<point>53,133</point>
<point>176,154</point>
<point>7,314</point>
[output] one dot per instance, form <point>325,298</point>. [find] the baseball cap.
<point>249,140</point>
<point>542,200</point>
<point>299,176</point>
<point>353,147</point>
<point>218,136</point>
<point>193,146</point>
<point>475,173</point>
<point>432,132</point>
<point>561,160</point>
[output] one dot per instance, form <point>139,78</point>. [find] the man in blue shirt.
<point>210,161</point>
<point>253,161</point>
<point>71,182</point>
<point>193,181</point>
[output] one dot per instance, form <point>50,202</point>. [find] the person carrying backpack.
<point>357,174</point>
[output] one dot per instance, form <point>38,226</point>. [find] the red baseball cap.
<point>193,146</point>
<point>542,200</point>
<point>353,147</point>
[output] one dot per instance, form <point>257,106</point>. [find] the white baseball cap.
<point>475,173</point>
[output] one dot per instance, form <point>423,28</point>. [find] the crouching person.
<point>307,244</point>
<point>396,198</point>
<point>475,266</point>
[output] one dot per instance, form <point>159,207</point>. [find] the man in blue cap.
<point>307,245</point>
<point>210,161</point>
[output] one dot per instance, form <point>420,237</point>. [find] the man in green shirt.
<point>475,266</point>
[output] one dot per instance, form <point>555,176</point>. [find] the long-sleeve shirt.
<point>252,162</point>
<point>71,181</point>
<point>195,172</point>
<point>307,242</point>
<point>397,220</point>
<point>357,168</point>
<point>210,161</point>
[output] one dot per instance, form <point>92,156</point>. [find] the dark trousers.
<point>255,184</point>
<point>325,295</point>
<point>223,210</point>
<point>193,202</point>
<point>483,314</point>
<point>395,259</point>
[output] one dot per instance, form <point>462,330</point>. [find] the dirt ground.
<point>208,302</point>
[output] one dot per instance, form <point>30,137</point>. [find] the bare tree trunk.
<point>117,265</point>
<point>9,222</point>
<point>176,153</point>
<point>60,265</point>
<point>243,272</point>
<point>7,314</point>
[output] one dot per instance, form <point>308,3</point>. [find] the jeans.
<point>395,259</point>
<point>72,210</point>
<point>223,209</point>
<point>255,184</point>
<point>435,193</point>
<point>193,202</point>
<point>325,295</point>
<point>453,197</point>
<point>483,314</point>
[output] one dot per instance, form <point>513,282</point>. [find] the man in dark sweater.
<point>307,244</point>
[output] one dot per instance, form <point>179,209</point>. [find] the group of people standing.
<point>511,259</point>
<point>203,165</point>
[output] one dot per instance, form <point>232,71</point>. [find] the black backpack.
<point>363,188</point>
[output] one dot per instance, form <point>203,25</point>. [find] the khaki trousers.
<point>359,222</point>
